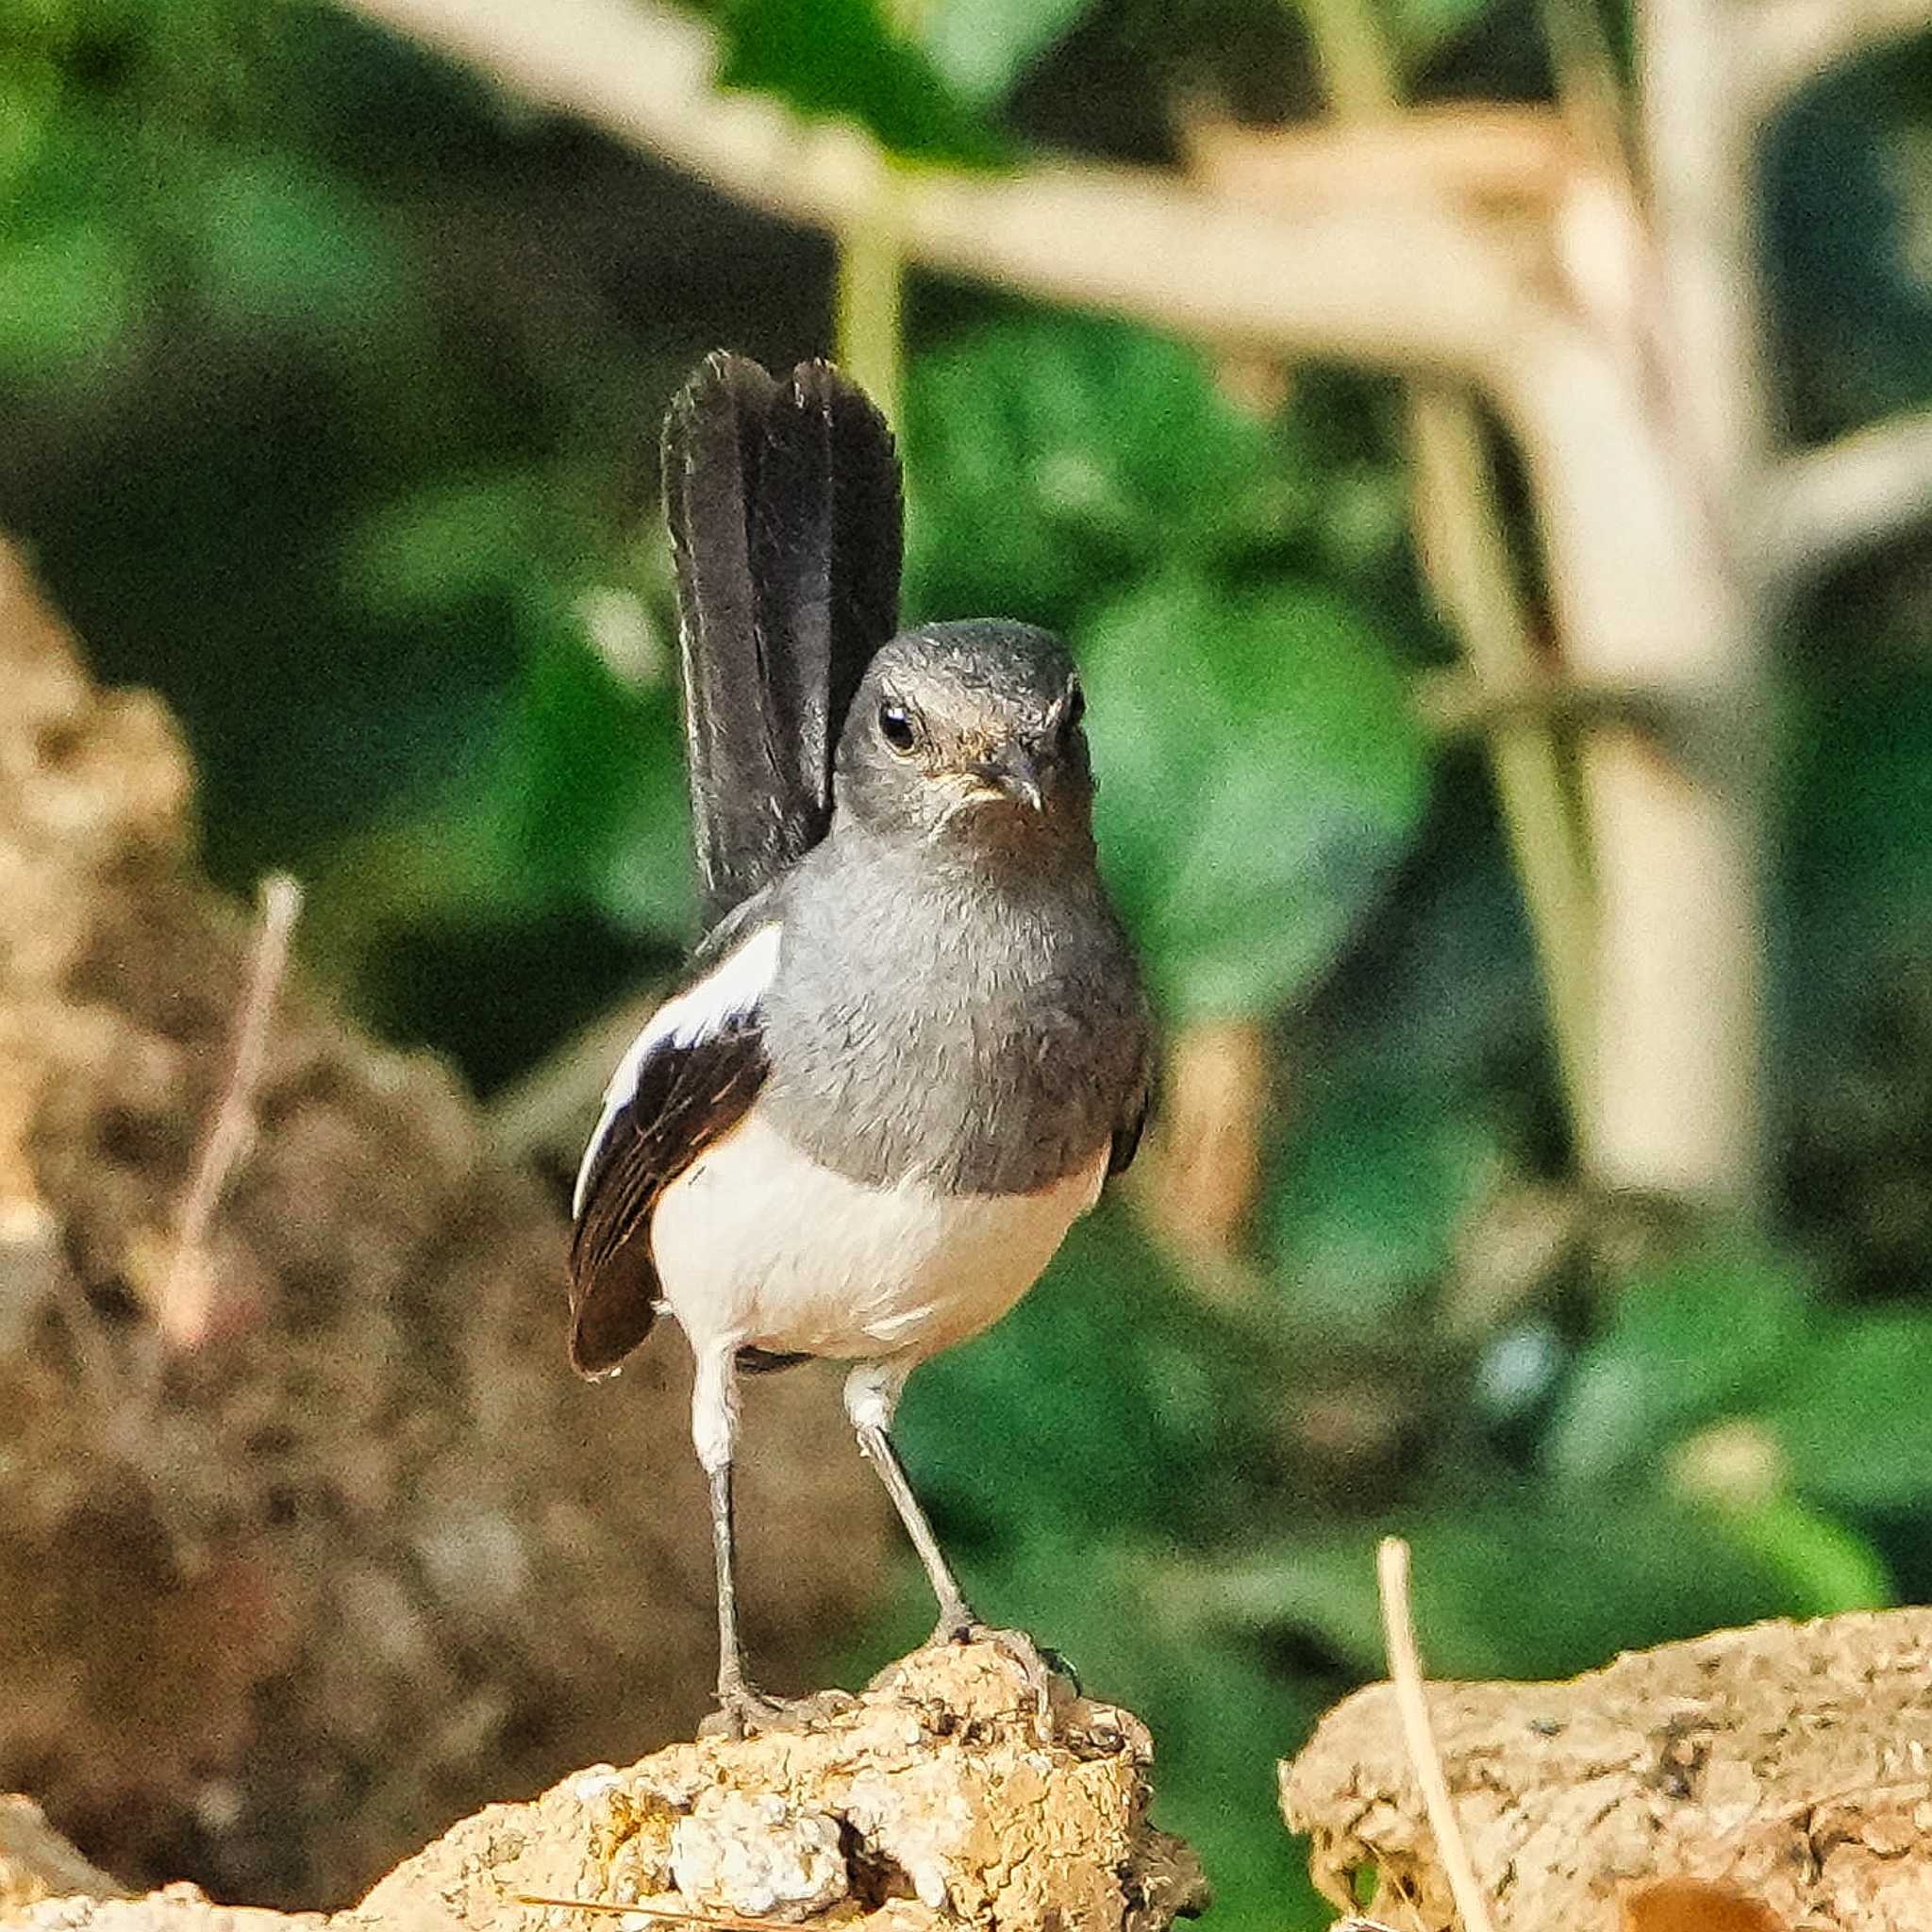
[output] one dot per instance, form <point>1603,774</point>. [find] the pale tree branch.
<point>1847,496</point>
<point>1786,44</point>
<point>1506,157</point>
<point>1397,285</point>
<point>1467,555</point>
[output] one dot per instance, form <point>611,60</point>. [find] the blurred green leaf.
<point>840,59</point>
<point>1424,27</point>
<point>283,246</point>
<point>595,786</point>
<point>1533,1586</point>
<point>1056,460</point>
<point>1826,1566</point>
<point>1377,1182</point>
<point>981,49</point>
<point>1854,1422</point>
<point>1109,1406</point>
<point>70,298</point>
<point>1861,835</point>
<point>1699,1339</point>
<point>1262,771</point>
<point>446,543</point>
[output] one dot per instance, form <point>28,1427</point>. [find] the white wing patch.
<point>731,989</point>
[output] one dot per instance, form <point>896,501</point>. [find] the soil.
<point>281,1596</point>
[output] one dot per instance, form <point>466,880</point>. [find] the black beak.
<point>1015,772</point>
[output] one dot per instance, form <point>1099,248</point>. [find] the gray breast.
<point>985,1036</point>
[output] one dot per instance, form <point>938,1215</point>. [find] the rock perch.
<point>943,1795</point>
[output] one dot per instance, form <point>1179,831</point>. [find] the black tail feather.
<point>784,507</point>
<point>867,527</point>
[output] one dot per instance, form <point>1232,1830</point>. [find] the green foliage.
<point>1422,27</point>
<point>843,60</point>
<point>1270,729</point>
<point>320,365</point>
<point>1366,1213</point>
<point>1849,1423</point>
<point>1707,1338</point>
<point>1514,1584</point>
<point>983,47</point>
<point>1056,459</point>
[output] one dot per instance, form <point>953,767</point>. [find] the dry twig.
<point>1849,496</point>
<point>684,1916</point>
<point>184,1305</point>
<point>1426,1761</point>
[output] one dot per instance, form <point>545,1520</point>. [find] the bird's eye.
<point>897,729</point>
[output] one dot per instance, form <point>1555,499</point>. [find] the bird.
<point>913,1041</point>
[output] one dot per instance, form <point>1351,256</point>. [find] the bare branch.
<point>1788,44</point>
<point>1392,286</point>
<point>184,1305</point>
<point>1504,156</point>
<point>1424,1760</point>
<point>1849,496</point>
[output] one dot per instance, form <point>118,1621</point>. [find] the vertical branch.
<point>1585,70</point>
<point>1466,553</point>
<point>1679,844</point>
<point>868,322</point>
<point>1465,549</point>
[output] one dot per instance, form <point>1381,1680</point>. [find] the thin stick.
<point>1426,1761</point>
<point>730,1920</point>
<point>183,1309</point>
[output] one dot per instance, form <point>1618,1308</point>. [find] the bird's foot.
<point>743,1713</point>
<point>1040,1667</point>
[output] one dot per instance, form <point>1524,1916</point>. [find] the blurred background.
<point>330,372</point>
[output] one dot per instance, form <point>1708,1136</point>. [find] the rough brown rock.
<point>1787,1764</point>
<point>277,1607</point>
<point>943,1795</point>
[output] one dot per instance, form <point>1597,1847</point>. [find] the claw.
<point>743,1713</point>
<point>1038,1667</point>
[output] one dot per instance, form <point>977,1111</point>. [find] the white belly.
<point>758,1245</point>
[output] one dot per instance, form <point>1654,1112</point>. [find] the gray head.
<point>969,733</point>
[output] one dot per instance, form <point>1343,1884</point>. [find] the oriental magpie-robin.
<point>913,1041</point>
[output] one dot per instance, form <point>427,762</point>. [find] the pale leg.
<point>714,1432</point>
<point>872,1393</point>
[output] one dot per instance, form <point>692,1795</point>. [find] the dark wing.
<point>785,515</point>
<point>688,1079</point>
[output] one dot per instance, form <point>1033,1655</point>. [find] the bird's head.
<point>969,735</point>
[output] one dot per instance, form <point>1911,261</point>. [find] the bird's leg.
<point>871,1391</point>
<point>714,1431</point>
<point>957,1621</point>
